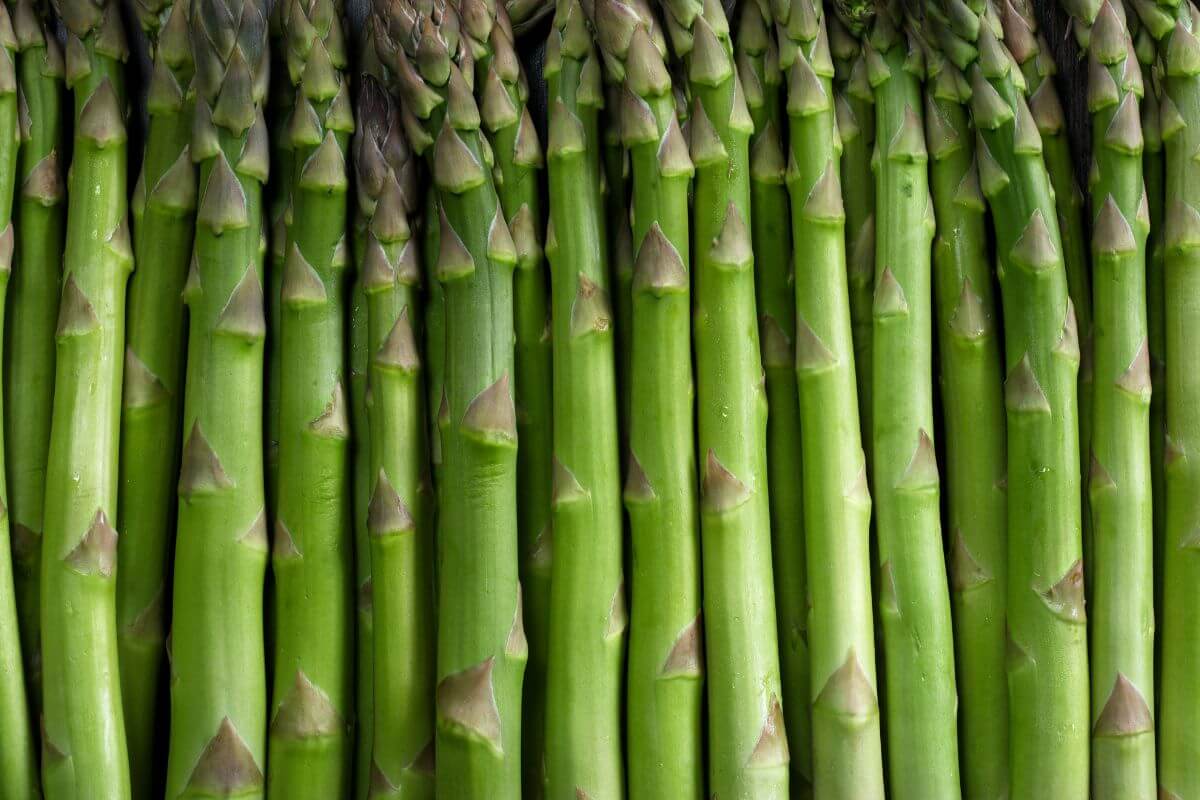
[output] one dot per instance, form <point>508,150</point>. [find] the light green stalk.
<point>34,292</point>
<point>83,744</point>
<point>588,617</point>
<point>762,80</point>
<point>1179,746</point>
<point>1047,649</point>
<point>481,641</point>
<point>164,204</point>
<point>218,664</point>
<point>502,90</point>
<point>971,380</point>
<point>400,513</point>
<point>18,761</point>
<point>665,683</point>
<point>312,558</point>
<point>748,753</point>
<point>914,596</point>
<point>847,762</point>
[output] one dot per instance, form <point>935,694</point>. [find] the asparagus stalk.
<point>968,333</point>
<point>854,108</point>
<point>29,367</point>
<point>364,623</point>
<point>218,682</point>
<point>399,515</point>
<point>164,205</point>
<point>481,642</point>
<point>1047,650</point>
<point>618,246</point>
<point>18,762</point>
<point>84,752</point>
<point>914,601</point>
<point>847,762</point>
<point>762,80</point>
<point>748,751</point>
<point>310,744</point>
<point>587,596</point>
<point>1120,492</point>
<point>503,93</point>
<point>666,660</point>
<point>1179,749</point>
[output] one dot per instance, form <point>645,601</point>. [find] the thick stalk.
<point>400,513</point>
<point>1047,650</point>
<point>914,596</point>
<point>312,558</point>
<point>762,80</point>
<point>664,677</point>
<point>847,759</point>
<point>218,664</point>
<point>481,641</point>
<point>34,289</point>
<point>972,393</point>
<point>748,753</point>
<point>1179,747</point>
<point>83,747</point>
<point>588,617</point>
<point>164,203</point>
<point>18,759</point>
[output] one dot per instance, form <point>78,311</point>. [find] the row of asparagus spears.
<point>458,466</point>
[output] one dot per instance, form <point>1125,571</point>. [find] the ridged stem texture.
<point>34,292</point>
<point>83,745</point>
<point>972,406</point>
<point>481,643</point>
<point>914,597</point>
<point>747,744</point>
<point>218,664</point>
<point>1119,485</point>
<point>1178,743</point>
<point>399,519</point>
<point>18,759</point>
<point>502,90</point>
<point>1047,651</point>
<point>312,556</point>
<point>588,616</point>
<point>164,203</point>
<point>847,759</point>
<point>665,673</point>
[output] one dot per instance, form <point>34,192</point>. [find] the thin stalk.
<point>218,662</point>
<point>83,747</point>
<point>847,758</point>
<point>164,203</point>
<point>364,622</point>
<point>34,291</point>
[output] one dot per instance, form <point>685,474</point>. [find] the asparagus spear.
<point>762,79</point>
<point>665,671</point>
<point>587,596</point>
<point>164,205</point>
<point>748,751</point>
<point>1047,650</point>
<point>84,752</point>
<point>18,763</point>
<point>218,681</point>
<point>847,762</point>
<point>481,641</point>
<point>34,289</point>
<point>399,514</point>
<point>503,93</point>
<point>968,332</point>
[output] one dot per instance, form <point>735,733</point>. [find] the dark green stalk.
<point>218,664</point>
<point>847,759</point>
<point>34,291</point>
<point>83,745</point>
<point>971,380</point>
<point>164,204</point>
<point>364,624</point>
